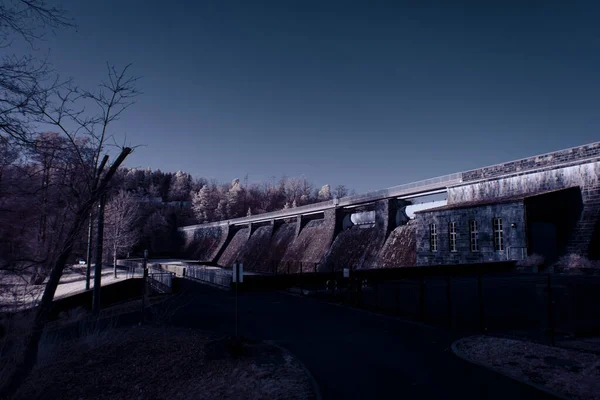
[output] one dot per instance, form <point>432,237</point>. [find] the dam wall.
<point>255,252</point>
<point>312,242</point>
<point>332,234</point>
<point>203,244</point>
<point>400,248</point>
<point>234,247</point>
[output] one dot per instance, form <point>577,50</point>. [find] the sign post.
<point>238,277</point>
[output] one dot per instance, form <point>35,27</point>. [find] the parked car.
<point>81,261</point>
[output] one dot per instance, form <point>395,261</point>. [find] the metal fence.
<point>215,276</point>
<point>161,282</point>
<point>132,271</point>
<point>545,307</point>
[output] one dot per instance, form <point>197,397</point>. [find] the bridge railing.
<point>215,276</point>
<point>161,281</point>
<point>408,188</point>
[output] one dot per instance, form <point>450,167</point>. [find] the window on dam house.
<point>433,237</point>
<point>452,235</point>
<point>474,233</point>
<point>498,234</point>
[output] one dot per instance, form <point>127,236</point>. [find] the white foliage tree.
<point>234,199</point>
<point>325,193</point>
<point>120,225</point>
<point>202,204</point>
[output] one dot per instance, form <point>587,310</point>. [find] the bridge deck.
<point>580,154</point>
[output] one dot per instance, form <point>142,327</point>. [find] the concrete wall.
<point>550,160</point>
<point>235,246</point>
<point>313,241</point>
<point>203,244</point>
<point>255,253</point>
<point>350,248</point>
<point>513,237</point>
<point>359,247</point>
<point>282,238</point>
<point>585,176</point>
<point>400,248</point>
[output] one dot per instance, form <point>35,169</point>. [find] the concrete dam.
<point>547,204</point>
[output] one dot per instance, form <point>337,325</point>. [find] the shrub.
<point>575,261</point>
<point>534,260</point>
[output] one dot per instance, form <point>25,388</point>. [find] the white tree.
<point>234,199</point>
<point>120,225</point>
<point>202,204</point>
<point>324,194</point>
<point>180,186</point>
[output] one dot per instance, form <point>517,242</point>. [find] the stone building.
<point>547,205</point>
<point>501,229</point>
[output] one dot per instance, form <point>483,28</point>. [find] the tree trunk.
<point>115,261</point>
<point>24,366</point>
<point>98,266</point>
<point>88,260</point>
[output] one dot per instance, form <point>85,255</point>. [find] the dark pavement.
<point>352,354</point>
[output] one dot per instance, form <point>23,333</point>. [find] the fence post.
<point>550,310</point>
<point>315,268</point>
<point>422,299</point>
<point>449,301</point>
<point>301,279</point>
<point>397,290</point>
<point>144,282</point>
<point>288,267</point>
<point>480,297</point>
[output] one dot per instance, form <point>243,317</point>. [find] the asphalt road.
<point>352,354</point>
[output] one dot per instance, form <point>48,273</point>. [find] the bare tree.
<point>121,233</point>
<point>87,140</point>
<point>30,95</point>
<point>340,191</point>
<point>24,79</point>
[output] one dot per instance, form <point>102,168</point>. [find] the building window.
<point>452,235</point>
<point>433,237</point>
<point>474,231</point>
<point>498,234</point>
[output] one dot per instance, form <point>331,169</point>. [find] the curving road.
<point>352,354</point>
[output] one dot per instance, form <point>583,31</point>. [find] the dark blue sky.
<point>368,94</point>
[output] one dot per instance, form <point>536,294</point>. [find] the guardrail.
<point>217,277</point>
<point>161,282</point>
<point>395,191</point>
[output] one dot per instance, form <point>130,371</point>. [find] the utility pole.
<point>89,252</point>
<point>98,266</point>
<point>245,192</point>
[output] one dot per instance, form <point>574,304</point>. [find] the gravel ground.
<point>161,363</point>
<point>572,373</point>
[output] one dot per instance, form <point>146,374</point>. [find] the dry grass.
<point>573,373</point>
<point>161,363</point>
<point>575,261</point>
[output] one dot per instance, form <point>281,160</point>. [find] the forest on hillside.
<point>144,207</point>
